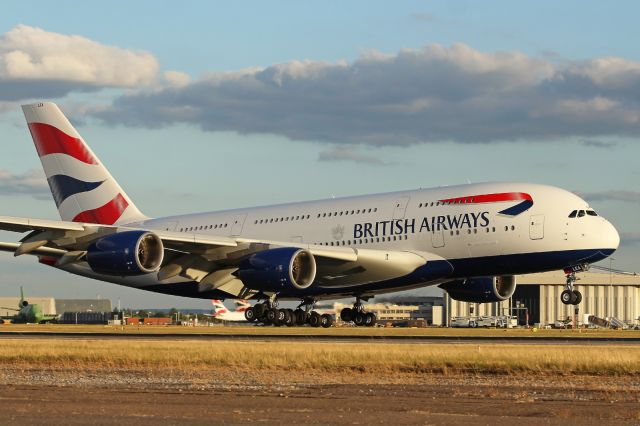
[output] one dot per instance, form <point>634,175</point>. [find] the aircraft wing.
<point>212,260</point>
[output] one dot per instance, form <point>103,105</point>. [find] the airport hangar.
<point>538,297</point>
<point>52,306</point>
<point>535,301</point>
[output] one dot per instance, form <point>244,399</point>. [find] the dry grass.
<point>355,358</point>
<point>334,331</point>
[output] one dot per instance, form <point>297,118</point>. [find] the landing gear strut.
<point>358,315</point>
<point>570,296</point>
<point>305,314</point>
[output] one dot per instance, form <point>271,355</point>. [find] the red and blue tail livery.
<point>82,187</point>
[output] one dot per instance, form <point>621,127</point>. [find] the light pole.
<point>610,298</point>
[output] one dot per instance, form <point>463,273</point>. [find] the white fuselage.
<point>476,234</point>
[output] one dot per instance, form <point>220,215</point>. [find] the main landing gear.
<point>570,296</point>
<point>268,313</point>
<point>358,315</point>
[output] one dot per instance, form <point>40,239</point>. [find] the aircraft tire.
<point>250,315</point>
<point>359,319</point>
<point>272,315</point>
<point>346,315</point>
<point>370,319</point>
<point>260,310</point>
<point>315,319</point>
<point>326,320</point>
<point>566,297</point>
<point>289,320</point>
<point>577,297</point>
<point>300,317</point>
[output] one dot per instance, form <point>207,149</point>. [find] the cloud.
<point>425,95</point>
<point>32,182</point>
<point>595,143</point>
<point>630,239</point>
<point>625,196</point>
<point>35,63</point>
<point>347,154</point>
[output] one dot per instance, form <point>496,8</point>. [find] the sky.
<point>198,106</point>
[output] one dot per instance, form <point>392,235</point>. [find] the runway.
<point>312,337</point>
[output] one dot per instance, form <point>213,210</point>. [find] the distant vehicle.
<point>27,313</point>
<point>462,322</point>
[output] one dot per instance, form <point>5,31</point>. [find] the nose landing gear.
<point>570,296</point>
<point>358,315</point>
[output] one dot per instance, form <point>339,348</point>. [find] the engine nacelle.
<point>126,253</point>
<point>481,289</point>
<point>286,268</point>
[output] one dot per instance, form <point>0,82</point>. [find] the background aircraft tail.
<point>242,305</point>
<point>83,189</point>
<point>218,307</point>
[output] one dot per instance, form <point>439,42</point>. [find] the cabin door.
<point>536,227</point>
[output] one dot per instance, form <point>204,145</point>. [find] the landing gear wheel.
<point>326,320</point>
<point>359,319</point>
<point>315,319</point>
<point>370,319</point>
<point>300,317</point>
<point>275,316</point>
<point>260,309</point>
<point>346,315</point>
<point>288,318</point>
<point>566,297</point>
<point>578,297</point>
<point>250,315</point>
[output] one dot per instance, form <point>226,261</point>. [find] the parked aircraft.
<point>27,313</point>
<point>222,313</point>
<point>471,240</point>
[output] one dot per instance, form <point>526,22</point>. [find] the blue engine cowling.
<point>126,253</point>
<point>286,268</point>
<point>481,289</point>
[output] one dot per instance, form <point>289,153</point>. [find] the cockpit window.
<point>573,213</point>
<point>581,213</point>
<point>592,213</point>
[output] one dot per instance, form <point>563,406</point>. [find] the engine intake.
<point>481,289</point>
<point>286,268</point>
<point>126,253</point>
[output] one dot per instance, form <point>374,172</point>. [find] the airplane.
<point>27,313</point>
<point>471,240</point>
<point>222,313</point>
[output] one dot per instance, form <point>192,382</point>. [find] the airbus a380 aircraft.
<point>471,240</point>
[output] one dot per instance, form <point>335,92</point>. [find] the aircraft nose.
<point>610,236</point>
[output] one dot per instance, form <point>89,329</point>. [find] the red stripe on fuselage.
<point>105,215</point>
<point>51,140</point>
<point>489,198</point>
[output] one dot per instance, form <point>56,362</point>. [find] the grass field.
<point>339,331</point>
<point>355,358</point>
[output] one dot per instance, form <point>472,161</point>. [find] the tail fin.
<point>83,189</point>
<point>242,305</point>
<point>218,307</point>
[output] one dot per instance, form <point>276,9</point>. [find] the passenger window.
<point>581,213</point>
<point>573,214</point>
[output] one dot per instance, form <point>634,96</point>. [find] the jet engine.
<point>126,253</point>
<point>481,289</point>
<point>278,269</point>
